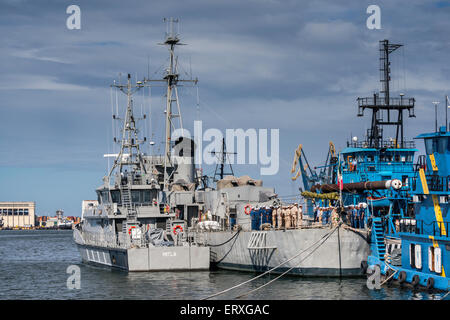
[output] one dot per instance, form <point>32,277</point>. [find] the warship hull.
<point>257,251</point>
<point>147,259</point>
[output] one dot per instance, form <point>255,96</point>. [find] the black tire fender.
<point>402,277</point>
<point>415,280</point>
<point>430,283</point>
<point>364,266</point>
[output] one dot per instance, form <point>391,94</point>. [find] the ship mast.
<point>220,166</point>
<point>130,154</point>
<point>386,105</point>
<point>172,80</point>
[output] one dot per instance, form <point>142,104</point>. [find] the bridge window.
<point>115,196</point>
<point>442,144</point>
<point>430,146</point>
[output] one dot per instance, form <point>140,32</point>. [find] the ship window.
<point>20,212</point>
<point>115,196</point>
<point>370,157</point>
<point>431,258</point>
<point>148,195</point>
<point>442,144</point>
<point>135,196</point>
<point>105,197</point>
<point>429,146</point>
<point>397,158</point>
<point>10,212</point>
<point>409,158</point>
<point>25,212</point>
<point>412,255</point>
<point>15,212</point>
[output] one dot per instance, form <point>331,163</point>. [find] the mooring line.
<point>260,287</point>
<point>276,267</point>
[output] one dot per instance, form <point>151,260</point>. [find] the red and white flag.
<point>340,182</point>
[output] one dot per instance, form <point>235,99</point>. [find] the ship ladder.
<point>377,229</point>
<point>127,203</point>
<point>258,241</point>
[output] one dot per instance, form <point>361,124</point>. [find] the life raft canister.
<point>247,209</point>
<point>129,230</point>
<point>176,228</point>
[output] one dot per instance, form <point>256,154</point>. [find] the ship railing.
<point>435,228</point>
<point>406,103</point>
<point>382,144</point>
<point>106,240</point>
<point>435,183</point>
<point>438,227</point>
<point>410,226</point>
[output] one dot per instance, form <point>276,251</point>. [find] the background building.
<point>17,214</point>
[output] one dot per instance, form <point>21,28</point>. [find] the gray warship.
<point>132,227</point>
<point>164,215</point>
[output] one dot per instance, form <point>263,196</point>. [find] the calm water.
<point>33,265</point>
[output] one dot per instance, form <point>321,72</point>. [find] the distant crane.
<point>309,175</point>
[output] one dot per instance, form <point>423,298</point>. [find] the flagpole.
<point>446,109</point>
<point>340,181</point>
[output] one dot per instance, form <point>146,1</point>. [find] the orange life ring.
<point>247,209</point>
<point>176,228</point>
<point>129,230</point>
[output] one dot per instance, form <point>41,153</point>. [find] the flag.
<point>340,182</point>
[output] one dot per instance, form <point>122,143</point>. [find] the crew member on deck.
<point>287,218</point>
<point>361,215</point>
<point>280,217</point>
<point>294,215</point>
<point>269,211</point>
<point>300,215</point>
<point>274,217</point>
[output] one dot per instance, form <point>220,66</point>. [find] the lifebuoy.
<point>247,209</point>
<point>129,230</point>
<point>176,228</point>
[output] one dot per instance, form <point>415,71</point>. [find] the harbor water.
<point>34,265</point>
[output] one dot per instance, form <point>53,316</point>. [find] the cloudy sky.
<point>297,66</point>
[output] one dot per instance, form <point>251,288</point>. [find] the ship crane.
<point>309,175</point>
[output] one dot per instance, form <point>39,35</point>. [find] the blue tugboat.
<point>378,158</point>
<point>388,161</point>
<point>419,252</point>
